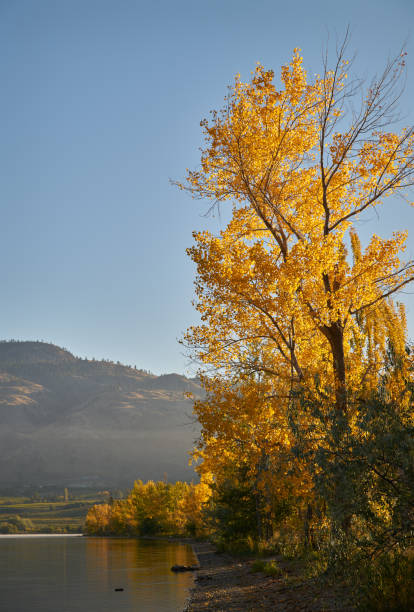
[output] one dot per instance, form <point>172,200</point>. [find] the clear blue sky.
<point>101,103</point>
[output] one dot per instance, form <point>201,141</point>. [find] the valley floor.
<point>50,514</point>
<point>224,583</point>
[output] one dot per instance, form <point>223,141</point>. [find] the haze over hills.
<point>69,421</point>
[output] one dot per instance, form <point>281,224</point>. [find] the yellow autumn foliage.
<point>292,306</point>
<point>152,508</point>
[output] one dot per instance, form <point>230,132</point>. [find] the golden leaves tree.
<point>277,291</point>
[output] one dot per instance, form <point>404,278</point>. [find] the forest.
<point>306,444</point>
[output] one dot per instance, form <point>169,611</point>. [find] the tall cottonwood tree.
<point>276,289</point>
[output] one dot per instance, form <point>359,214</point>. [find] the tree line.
<point>152,508</point>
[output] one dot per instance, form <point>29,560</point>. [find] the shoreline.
<point>224,583</point>
<point>41,535</point>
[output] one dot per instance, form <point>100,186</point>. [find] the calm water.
<point>71,574</point>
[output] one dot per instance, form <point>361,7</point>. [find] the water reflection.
<point>81,574</point>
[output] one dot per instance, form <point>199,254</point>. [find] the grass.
<point>269,568</point>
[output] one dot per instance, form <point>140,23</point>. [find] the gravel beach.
<point>224,583</point>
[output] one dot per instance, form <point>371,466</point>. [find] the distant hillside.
<point>66,420</point>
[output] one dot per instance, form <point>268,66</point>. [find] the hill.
<point>70,421</point>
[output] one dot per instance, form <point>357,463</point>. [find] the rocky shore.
<point>224,583</point>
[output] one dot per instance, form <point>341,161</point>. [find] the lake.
<point>71,574</point>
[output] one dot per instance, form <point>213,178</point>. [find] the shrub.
<point>387,585</point>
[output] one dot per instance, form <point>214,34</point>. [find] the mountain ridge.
<point>64,418</point>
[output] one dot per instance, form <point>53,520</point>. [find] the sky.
<point>100,107</point>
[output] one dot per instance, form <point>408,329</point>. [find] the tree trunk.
<point>308,535</point>
<point>335,335</point>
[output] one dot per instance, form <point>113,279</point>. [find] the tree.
<point>152,508</point>
<point>276,289</point>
